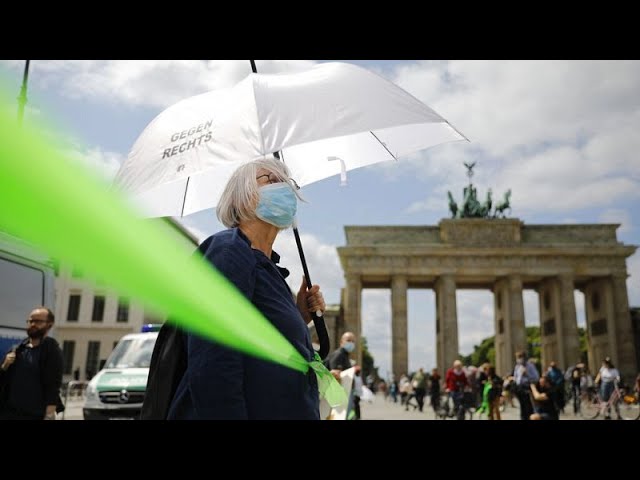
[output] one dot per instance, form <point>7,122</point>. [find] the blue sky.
<point>563,135</point>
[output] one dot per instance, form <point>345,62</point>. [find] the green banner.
<point>66,210</point>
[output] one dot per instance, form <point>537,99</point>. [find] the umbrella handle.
<point>318,319</point>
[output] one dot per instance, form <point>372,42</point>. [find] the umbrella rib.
<point>184,199</point>
<point>383,145</point>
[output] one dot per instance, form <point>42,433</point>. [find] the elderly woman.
<point>258,202</point>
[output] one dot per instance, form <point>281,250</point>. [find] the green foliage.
<point>485,352</point>
<point>368,366</point>
<point>533,343</point>
<point>584,345</point>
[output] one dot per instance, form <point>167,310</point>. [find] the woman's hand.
<point>309,301</point>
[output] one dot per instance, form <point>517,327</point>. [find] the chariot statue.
<point>471,207</point>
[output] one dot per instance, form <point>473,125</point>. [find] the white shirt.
<point>608,374</point>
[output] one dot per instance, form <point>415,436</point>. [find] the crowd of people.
<point>540,396</point>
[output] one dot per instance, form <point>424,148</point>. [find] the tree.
<point>485,352</point>
<point>368,366</point>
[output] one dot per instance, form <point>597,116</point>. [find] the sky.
<point>562,135</point>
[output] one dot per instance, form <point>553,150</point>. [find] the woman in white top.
<point>607,376</point>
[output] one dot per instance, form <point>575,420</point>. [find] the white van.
<point>26,282</point>
<point>117,391</point>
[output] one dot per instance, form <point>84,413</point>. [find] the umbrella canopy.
<point>330,119</point>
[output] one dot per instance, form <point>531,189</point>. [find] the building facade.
<point>504,256</point>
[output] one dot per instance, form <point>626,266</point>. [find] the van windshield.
<point>132,353</point>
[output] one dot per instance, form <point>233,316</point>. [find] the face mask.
<point>349,346</point>
<point>278,205</point>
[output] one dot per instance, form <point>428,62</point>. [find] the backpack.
<point>167,367</point>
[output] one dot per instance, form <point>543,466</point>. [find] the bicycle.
<point>626,406</point>
<point>464,410</point>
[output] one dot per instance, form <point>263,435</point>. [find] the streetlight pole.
<point>22,98</point>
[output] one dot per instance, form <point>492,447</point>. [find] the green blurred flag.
<point>69,212</point>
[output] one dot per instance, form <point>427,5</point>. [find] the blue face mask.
<point>278,205</point>
<point>349,346</point>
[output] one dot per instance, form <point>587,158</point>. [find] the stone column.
<point>352,320</point>
<point>599,309</point>
<point>502,346</point>
<point>623,333</point>
<point>446,322</point>
<point>509,317</point>
<point>399,345</point>
<point>517,329</point>
<point>552,347</point>
<point>568,339</point>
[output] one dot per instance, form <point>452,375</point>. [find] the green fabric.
<point>70,213</point>
<point>328,386</point>
<point>484,407</point>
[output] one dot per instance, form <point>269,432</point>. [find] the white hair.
<point>238,200</point>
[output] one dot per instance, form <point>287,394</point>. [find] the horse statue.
<point>453,206</point>
<point>502,206</point>
<point>486,206</point>
<point>471,207</point>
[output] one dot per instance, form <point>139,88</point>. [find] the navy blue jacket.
<point>221,383</point>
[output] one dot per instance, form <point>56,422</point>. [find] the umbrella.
<point>324,121</point>
<point>327,120</point>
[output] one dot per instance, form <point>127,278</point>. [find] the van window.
<point>132,353</point>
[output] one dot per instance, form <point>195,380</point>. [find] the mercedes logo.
<point>124,396</point>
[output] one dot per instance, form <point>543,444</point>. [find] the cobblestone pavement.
<point>381,409</point>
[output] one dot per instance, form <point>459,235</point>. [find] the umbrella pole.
<point>22,97</point>
<point>318,319</point>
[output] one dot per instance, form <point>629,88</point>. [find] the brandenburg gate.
<point>505,256</point>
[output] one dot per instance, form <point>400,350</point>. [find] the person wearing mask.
<point>524,374</point>
<point>258,202</point>
<point>338,360</point>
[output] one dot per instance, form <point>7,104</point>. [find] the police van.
<point>26,282</point>
<point>117,391</point>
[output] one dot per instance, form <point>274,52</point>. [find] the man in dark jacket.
<point>31,373</point>
<point>338,360</point>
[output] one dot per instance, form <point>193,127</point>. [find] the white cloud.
<point>578,299</point>
<point>475,318</point>
<point>154,83</point>
<point>376,326</point>
<point>617,216</point>
<point>107,163</point>
<point>322,261</point>
<point>633,282</point>
<point>104,163</point>
<point>505,105</point>
<point>562,131</point>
